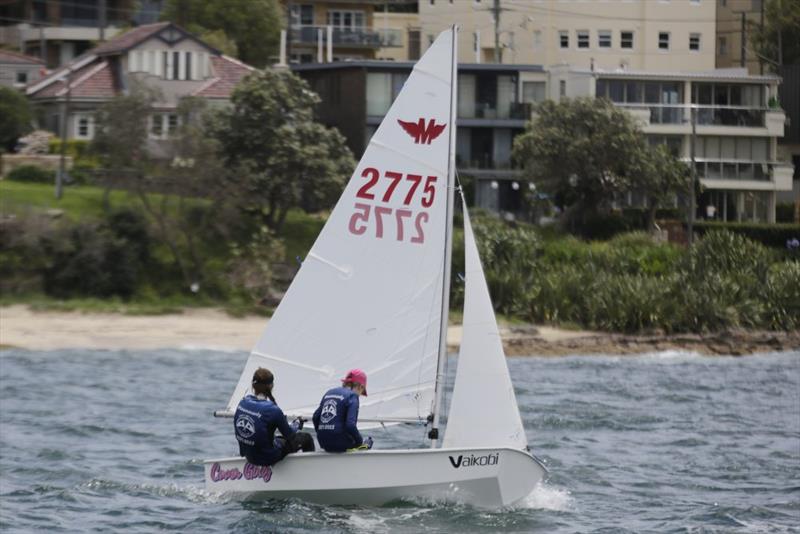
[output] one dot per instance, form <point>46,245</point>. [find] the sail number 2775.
<point>409,224</point>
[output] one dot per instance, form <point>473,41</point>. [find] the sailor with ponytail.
<point>258,417</point>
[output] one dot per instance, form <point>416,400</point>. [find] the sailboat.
<point>373,293</point>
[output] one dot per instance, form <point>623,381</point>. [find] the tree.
<point>777,40</point>
<point>580,151</point>
<point>659,175</point>
<point>283,158</point>
<point>253,25</point>
<point>15,117</point>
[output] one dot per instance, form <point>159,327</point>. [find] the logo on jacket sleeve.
<point>422,133</point>
<point>328,411</point>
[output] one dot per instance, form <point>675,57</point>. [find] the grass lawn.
<point>77,202</point>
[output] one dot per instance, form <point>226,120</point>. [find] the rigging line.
<point>546,11</point>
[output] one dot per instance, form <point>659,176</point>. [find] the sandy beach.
<point>214,329</point>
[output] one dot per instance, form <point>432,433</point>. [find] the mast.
<point>433,434</point>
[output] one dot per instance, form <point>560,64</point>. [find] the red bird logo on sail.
<point>422,133</point>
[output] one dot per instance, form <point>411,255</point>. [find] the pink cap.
<point>358,376</point>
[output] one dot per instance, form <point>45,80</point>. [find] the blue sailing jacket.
<point>255,422</point>
<point>335,420</point>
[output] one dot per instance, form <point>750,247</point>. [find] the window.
<point>382,89</point>
<point>84,126</point>
<point>723,46</point>
<point>22,77</point>
<point>626,40</point>
<point>165,65</point>
<point>156,126</point>
<point>694,42</point>
<point>562,88</point>
<point>583,38</point>
<point>349,20</point>
<point>533,92</point>
<point>176,61</point>
<point>563,39</point>
<point>537,40</point>
<point>414,44</point>
<point>604,38</point>
<point>302,15</point>
<point>663,40</point>
<point>163,125</point>
<point>188,66</point>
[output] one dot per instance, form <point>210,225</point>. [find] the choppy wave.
<point>113,441</point>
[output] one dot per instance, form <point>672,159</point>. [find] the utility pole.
<point>498,57</point>
<point>693,169</point>
<point>101,19</point>
<point>743,53</point>
<point>62,165</point>
<point>780,39</point>
<point>760,59</point>
<point>42,45</point>
<point>288,31</point>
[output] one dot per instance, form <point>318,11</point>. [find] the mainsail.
<point>344,309</point>
<point>483,408</point>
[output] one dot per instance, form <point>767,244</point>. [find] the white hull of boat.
<point>482,477</point>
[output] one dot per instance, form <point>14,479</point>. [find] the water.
<point>105,441</point>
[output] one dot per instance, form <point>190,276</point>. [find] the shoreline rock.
<point>729,343</point>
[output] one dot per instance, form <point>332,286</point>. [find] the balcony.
<point>718,169</point>
<point>353,37</point>
<point>734,116</point>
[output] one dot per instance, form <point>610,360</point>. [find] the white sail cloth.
<point>483,407</point>
<point>346,308</point>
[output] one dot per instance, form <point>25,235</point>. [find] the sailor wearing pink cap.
<point>337,416</point>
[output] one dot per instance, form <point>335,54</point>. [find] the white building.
<point>652,35</point>
<point>738,126</point>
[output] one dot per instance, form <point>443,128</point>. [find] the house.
<point>161,55</point>
<point>494,103</point>
<point>18,70</point>
<point>651,35</point>
<point>737,124</point>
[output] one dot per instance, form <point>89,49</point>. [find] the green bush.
<point>771,235</point>
<point>96,260</point>
<point>558,295</point>
<point>76,148</point>
<point>725,252</point>
<point>627,303</point>
<point>714,302</point>
<point>508,254</point>
<point>637,253</point>
<point>782,295</point>
<point>32,174</point>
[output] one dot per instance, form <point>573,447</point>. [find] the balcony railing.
<point>725,169</point>
<point>706,115</point>
<point>489,110</point>
<point>361,37</point>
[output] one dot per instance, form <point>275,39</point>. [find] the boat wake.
<point>545,497</point>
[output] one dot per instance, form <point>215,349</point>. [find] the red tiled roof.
<point>91,81</point>
<point>8,56</point>
<point>227,73</point>
<point>130,38</point>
